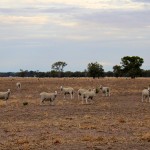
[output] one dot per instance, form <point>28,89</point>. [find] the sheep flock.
<point>87,95</point>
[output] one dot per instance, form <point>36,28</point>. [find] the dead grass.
<point>146,137</point>
<point>117,121</point>
<point>121,120</point>
<point>87,126</point>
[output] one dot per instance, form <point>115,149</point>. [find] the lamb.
<point>18,84</point>
<point>5,95</point>
<point>146,94</point>
<point>105,90</point>
<point>48,97</point>
<point>88,95</point>
<point>67,90</point>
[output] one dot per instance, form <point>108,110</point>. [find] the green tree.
<point>117,70</point>
<point>59,66</point>
<point>95,70</point>
<point>22,73</point>
<point>131,66</point>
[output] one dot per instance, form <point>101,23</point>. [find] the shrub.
<point>25,103</point>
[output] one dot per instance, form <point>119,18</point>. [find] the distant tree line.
<point>51,74</point>
<point>129,67</point>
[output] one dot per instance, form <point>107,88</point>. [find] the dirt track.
<point>118,122</point>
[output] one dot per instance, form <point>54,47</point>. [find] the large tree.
<point>59,66</point>
<point>95,70</point>
<point>117,70</point>
<point>22,73</point>
<point>131,66</point>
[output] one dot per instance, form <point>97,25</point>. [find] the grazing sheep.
<point>105,90</point>
<point>5,95</point>
<point>18,84</point>
<point>88,95</point>
<point>146,94</point>
<point>67,90</point>
<point>80,93</point>
<point>48,97</point>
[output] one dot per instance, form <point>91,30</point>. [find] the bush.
<point>25,103</point>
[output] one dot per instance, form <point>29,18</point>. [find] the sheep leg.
<point>86,100</point>
<point>108,93</point>
<point>91,101</point>
<point>78,97</point>
<point>72,96</point>
<point>41,101</point>
<point>104,94</point>
<point>64,97</point>
<point>142,98</point>
<point>6,102</point>
<point>146,98</point>
<point>52,103</point>
<point>82,100</point>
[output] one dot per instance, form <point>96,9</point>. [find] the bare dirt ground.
<point>118,122</point>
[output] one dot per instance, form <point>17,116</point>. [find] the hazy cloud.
<point>141,1</point>
<point>77,32</point>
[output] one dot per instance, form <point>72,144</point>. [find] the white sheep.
<point>146,94</point>
<point>67,90</point>
<point>80,93</point>
<point>18,84</point>
<point>48,97</point>
<point>89,94</point>
<point>5,95</point>
<point>105,90</point>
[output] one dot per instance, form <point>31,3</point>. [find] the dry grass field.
<point>118,122</point>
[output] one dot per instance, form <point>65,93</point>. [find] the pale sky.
<point>36,33</point>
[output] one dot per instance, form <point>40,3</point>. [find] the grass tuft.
<point>25,103</point>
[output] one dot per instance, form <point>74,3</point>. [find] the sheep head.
<point>61,88</point>
<point>100,87</point>
<point>56,93</point>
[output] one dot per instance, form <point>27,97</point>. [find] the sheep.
<point>146,94</point>
<point>88,95</point>
<point>80,92</point>
<point>18,84</point>
<point>67,90</point>
<point>105,90</point>
<point>5,95</point>
<point>48,97</point>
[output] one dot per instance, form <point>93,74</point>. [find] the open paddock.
<point>118,122</point>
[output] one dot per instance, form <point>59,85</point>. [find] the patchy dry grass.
<point>118,122</point>
<point>146,137</point>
